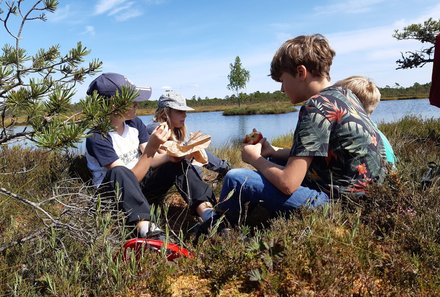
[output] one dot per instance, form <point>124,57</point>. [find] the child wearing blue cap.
<point>124,161</point>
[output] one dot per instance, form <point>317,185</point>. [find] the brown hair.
<point>312,51</point>
<point>365,89</point>
<point>161,115</point>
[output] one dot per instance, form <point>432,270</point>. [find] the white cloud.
<point>60,14</point>
<point>104,6</point>
<point>129,14</point>
<point>372,40</point>
<point>361,40</point>
<point>121,10</point>
<point>200,77</point>
<point>155,2</point>
<point>369,51</point>
<point>89,30</point>
<point>123,7</point>
<point>347,7</point>
<point>373,51</point>
<point>431,12</point>
<point>384,54</point>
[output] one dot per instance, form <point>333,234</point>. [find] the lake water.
<point>227,129</point>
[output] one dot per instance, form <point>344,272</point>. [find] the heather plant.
<point>386,244</point>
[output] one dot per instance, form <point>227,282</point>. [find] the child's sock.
<point>207,213</point>
<point>145,227</point>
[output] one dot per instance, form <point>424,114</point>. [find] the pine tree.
<point>425,33</point>
<point>38,88</point>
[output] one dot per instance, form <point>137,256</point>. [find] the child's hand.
<point>159,136</point>
<point>267,149</point>
<point>251,152</point>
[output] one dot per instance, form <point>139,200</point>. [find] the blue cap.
<point>107,84</point>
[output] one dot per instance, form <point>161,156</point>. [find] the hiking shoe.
<point>215,224</point>
<point>430,174</point>
<point>222,171</point>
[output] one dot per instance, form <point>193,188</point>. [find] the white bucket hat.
<point>173,100</point>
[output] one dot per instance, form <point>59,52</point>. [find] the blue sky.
<point>188,45</point>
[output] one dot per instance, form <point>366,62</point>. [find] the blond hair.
<point>364,88</point>
<point>162,115</point>
<point>312,51</point>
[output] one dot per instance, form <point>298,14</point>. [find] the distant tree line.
<point>396,91</point>
<point>256,97</point>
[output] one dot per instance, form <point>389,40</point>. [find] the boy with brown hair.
<point>336,149</point>
<point>369,95</point>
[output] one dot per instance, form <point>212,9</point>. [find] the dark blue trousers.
<point>135,197</point>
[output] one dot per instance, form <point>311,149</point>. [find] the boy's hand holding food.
<point>253,138</point>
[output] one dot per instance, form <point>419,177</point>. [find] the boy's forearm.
<point>281,154</point>
<point>272,172</point>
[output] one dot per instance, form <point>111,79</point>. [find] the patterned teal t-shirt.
<point>347,149</point>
